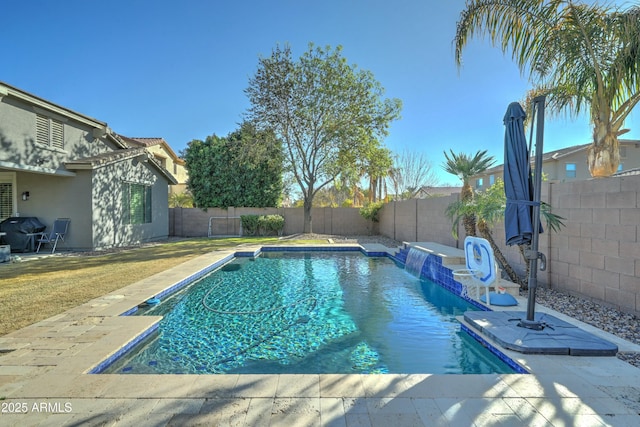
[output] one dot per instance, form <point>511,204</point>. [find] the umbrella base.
<point>557,337</point>
<point>531,324</point>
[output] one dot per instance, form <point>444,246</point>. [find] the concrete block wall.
<point>194,222</point>
<point>419,220</point>
<point>596,255</point>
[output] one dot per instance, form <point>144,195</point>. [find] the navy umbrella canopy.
<point>518,185</point>
<point>522,213</point>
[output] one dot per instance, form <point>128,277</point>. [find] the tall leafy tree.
<point>320,107</point>
<point>243,169</point>
<point>581,56</point>
<point>464,167</point>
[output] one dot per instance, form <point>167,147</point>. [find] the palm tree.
<point>180,200</point>
<point>580,56</point>
<point>488,209</point>
<point>464,167</point>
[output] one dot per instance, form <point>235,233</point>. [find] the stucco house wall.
<point>164,154</point>
<point>73,166</point>
<point>108,228</point>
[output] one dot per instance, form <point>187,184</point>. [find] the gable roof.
<point>100,128</point>
<point>150,142</point>
<point>104,159</point>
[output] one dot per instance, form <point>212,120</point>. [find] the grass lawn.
<point>38,289</point>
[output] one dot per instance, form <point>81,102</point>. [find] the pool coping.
<point>255,252</point>
<point>49,361</point>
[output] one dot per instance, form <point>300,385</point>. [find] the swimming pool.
<point>320,312</point>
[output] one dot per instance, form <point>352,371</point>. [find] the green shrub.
<point>260,225</point>
<point>271,224</point>
<point>250,224</point>
<point>371,211</point>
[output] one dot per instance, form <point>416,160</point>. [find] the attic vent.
<point>49,132</point>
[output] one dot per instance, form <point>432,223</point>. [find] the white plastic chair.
<point>481,266</point>
<point>60,227</point>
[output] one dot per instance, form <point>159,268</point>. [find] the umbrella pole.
<point>533,255</point>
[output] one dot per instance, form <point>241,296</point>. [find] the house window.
<point>479,183</point>
<point>492,179</point>
<point>49,132</point>
<point>570,170</point>
<point>623,152</point>
<point>136,203</point>
<point>6,200</point>
<point>620,167</point>
<point>175,169</point>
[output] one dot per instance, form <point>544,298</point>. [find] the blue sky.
<point>178,69</point>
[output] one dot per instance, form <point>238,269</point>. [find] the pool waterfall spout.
<point>415,261</point>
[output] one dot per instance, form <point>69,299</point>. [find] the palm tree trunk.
<point>469,222</point>
<point>485,232</point>
<point>603,156</point>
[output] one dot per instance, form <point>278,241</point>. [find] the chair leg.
<point>55,243</point>
<point>40,241</point>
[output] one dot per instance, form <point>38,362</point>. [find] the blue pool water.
<point>311,313</point>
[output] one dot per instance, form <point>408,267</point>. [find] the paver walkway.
<point>44,381</point>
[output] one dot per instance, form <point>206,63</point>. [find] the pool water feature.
<point>320,312</point>
<point>415,261</point>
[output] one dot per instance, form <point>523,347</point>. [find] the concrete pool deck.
<point>44,381</point>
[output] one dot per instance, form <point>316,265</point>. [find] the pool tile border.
<point>432,269</point>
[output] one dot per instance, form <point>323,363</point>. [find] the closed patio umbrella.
<point>522,212</point>
<point>518,187</point>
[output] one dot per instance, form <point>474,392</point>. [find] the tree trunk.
<point>485,232</point>
<point>468,221</point>
<point>372,189</point>
<point>307,216</point>
<point>603,156</point>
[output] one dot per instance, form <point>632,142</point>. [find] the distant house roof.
<point>629,172</point>
<point>150,142</point>
<point>429,190</point>
<point>562,152</point>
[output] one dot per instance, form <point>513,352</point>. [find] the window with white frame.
<point>479,183</point>
<point>6,200</point>
<point>136,203</point>
<point>492,179</point>
<point>49,132</point>
<point>570,170</point>
<point>7,196</point>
